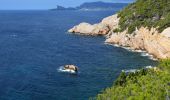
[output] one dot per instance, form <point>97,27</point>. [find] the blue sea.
<point>35,44</point>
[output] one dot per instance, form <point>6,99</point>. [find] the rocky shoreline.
<point>142,52</point>
<point>151,41</point>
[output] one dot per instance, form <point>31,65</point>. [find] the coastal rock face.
<point>166,32</point>
<point>143,39</point>
<point>155,43</point>
<point>111,21</point>
<point>102,28</point>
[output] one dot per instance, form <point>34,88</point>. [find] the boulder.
<point>71,67</point>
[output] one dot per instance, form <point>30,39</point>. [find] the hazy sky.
<point>45,4</point>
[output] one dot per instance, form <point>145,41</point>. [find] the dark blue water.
<point>34,44</point>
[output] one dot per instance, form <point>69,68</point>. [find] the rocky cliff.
<point>155,43</point>
<point>151,41</point>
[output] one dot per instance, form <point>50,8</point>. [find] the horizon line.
<point>10,9</point>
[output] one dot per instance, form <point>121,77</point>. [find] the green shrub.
<point>121,80</point>
<point>164,23</point>
<point>116,30</point>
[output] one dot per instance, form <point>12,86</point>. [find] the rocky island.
<point>142,25</point>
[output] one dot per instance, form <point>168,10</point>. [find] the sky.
<point>45,4</point>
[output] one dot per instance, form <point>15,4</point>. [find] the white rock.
<point>102,28</point>
<point>166,32</point>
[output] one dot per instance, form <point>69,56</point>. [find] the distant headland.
<point>93,6</point>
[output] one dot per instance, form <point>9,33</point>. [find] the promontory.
<point>143,25</point>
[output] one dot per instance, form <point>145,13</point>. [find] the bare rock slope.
<point>155,43</point>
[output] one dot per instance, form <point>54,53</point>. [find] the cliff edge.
<point>134,27</point>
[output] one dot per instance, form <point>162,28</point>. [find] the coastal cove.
<point>34,44</point>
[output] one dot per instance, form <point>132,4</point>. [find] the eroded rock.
<point>144,39</point>
<point>166,32</point>
<point>102,28</point>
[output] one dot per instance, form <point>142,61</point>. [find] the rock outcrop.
<point>155,43</point>
<point>112,21</point>
<point>102,28</point>
<point>143,39</point>
<point>71,67</point>
<point>88,29</point>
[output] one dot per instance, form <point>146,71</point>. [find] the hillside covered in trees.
<point>147,13</point>
<point>152,84</point>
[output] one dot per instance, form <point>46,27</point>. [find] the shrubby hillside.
<point>147,13</point>
<point>152,84</point>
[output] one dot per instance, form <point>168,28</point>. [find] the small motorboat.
<point>71,68</point>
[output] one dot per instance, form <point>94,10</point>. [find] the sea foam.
<point>136,70</point>
<point>142,52</point>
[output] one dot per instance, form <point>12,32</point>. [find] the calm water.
<point>34,44</point>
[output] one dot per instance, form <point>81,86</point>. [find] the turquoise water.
<point>34,44</point>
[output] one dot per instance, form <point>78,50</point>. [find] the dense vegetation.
<point>147,13</point>
<point>151,84</point>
